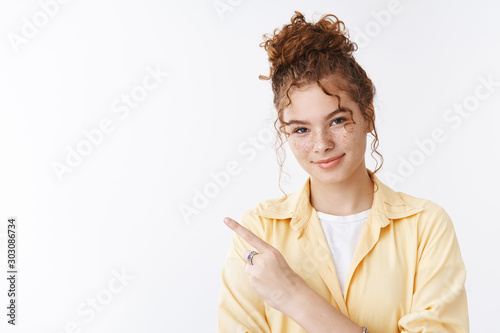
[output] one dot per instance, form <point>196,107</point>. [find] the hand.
<point>270,275</point>
<point>279,286</point>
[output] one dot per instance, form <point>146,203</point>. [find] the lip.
<point>329,163</point>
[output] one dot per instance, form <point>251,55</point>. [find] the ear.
<point>370,128</point>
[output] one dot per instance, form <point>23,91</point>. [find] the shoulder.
<point>397,205</point>
<point>427,206</point>
<point>432,217</point>
<point>276,204</point>
<point>259,211</point>
<point>263,217</point>
<point>421,213</point>
<point>428,225</point>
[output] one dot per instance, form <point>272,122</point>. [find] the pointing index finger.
<point>247,235</point>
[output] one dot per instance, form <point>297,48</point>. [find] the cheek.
<point>300,146</point>
<point>353,138</point>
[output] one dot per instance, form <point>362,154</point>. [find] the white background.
<point>119,209</point>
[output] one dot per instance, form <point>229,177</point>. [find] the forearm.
<point>316,315</point>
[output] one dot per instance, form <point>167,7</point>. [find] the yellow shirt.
<point>407,273</point>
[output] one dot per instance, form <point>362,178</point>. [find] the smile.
<point>330,163</point>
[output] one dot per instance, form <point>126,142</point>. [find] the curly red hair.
<point>304,53</point>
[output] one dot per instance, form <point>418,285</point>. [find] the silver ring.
<point>250,256</point>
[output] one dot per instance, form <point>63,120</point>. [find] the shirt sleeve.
<point>439,301</point>
<point>240,309</point>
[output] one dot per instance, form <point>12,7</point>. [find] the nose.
<point>323,141</point>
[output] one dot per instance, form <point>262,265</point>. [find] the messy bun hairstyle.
<point>303,53</point>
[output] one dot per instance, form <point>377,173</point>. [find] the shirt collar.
<point>387,205</point>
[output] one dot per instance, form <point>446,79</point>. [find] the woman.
<point>344,253</point>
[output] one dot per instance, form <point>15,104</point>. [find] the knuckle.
<point>275,253</point>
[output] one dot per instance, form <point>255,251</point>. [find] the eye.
<point>299,130</point>
<point>339,120</point>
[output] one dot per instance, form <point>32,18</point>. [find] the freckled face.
<point>319,130</point>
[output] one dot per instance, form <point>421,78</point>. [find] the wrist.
<point>299,295</point>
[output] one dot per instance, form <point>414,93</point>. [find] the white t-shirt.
<point>342,234</point>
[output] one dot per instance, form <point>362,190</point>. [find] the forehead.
<point>311,102</point>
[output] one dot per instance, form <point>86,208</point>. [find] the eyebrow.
<point>305,122</point>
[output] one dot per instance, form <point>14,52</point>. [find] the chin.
<point>332,179</point>
<point>329,176</point>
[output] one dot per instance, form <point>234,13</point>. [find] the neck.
<point>351,196</point>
